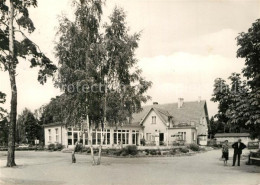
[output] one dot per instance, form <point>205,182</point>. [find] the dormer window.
<point>153,119</point>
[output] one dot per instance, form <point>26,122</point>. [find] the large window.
<point>182,136</point>
<point>135,134</point>
<point>75,137</point>
<point>121,136</point>
<point>153,119</point>
<point>57,134</point>
<point>69,136</point>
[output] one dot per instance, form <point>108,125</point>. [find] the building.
<point>233,137</point>
<point>157,124</point>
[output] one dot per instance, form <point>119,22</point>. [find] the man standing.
<point>238,147</point>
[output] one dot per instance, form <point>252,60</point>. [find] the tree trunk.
<point>90,142</point>
<point>12,73</point>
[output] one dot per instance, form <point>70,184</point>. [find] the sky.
<point>185,45</point>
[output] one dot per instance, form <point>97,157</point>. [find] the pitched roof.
<point>232,135</point>
<point>190,111</point>
<point>163,114</point>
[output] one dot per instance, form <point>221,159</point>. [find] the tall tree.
<point>14,22</point>
<point>28,128</point>
<point>221,94</point>
<point>249,49</point>
<point>97,72</point>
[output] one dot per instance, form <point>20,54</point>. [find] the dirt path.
<point>56,168</point>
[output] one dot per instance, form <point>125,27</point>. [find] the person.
<point>238,147</point>
<point>76,149</point>
<point>225,152</point>
<point>73,157</point>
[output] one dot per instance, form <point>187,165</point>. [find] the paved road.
<point>56,168</point>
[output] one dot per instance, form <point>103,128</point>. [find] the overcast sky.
<point>185,45</point>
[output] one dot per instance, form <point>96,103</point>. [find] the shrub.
<point>184,150</point>
<point>51,147</point>
<point>194,147</point>
<point>58,147</point>
<point>173,152</point>
<point>153,152</point>
<point>131,149</point>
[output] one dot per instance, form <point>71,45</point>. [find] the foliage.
<point>51,147</point>
<point>194,147</point>
<point>28,128</point>
<point>3,132</point>
<point>249,105</point>
<point>2,101</point>
<point>184,150</point>
<point>15,46</point>
<point>130,150</point>
<point>58,146</point>
<point>239,102</point>
<point>98,71</point>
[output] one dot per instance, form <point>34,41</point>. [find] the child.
<point>225,152</point>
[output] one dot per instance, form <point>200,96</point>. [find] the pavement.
<point>54,168</point>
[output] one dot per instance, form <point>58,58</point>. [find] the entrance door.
<point>161,138</point>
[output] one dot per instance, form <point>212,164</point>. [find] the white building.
<point>157,124</point>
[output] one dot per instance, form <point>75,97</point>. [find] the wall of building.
<point>54,134</point>
<point>134,133</point>
<point>191,135</point>
<point>154,129</point>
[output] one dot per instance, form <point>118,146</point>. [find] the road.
<point>56,168</point>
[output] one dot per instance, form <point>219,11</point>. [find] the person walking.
<point>238,147</point>
<point>225,152</point>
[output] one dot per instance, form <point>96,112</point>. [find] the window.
<point>193,136</point>
<point>49,131</point>
<point>57,134</point>
<point>148,136</point>
<point>75,137</point>
<point>153,119</point>
<point>70,136</point>
<point>182,136</point>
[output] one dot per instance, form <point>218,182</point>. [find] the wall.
<point>189,132</point>
<point>61,135</point>
<point>159,126</point>
<point>244,140</point>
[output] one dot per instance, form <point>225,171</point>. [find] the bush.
<point>184,150</point>
<point>194,147</point>
<point>129,150</point>
<point>51,147</point>
<point>173,151</point>
<point>58,147</point>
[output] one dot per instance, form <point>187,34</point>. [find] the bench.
<point>254,157</point>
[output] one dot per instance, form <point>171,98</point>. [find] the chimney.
<point>155,103</point>
<point>180,102</point>
<point>199,99</point>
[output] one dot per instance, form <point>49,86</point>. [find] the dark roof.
<point>232,135</point>
<point>190,111</point>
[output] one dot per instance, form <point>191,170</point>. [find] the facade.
<point>157,124</point>
<point>233,137</point>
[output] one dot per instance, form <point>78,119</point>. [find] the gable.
<point>147,121</point>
